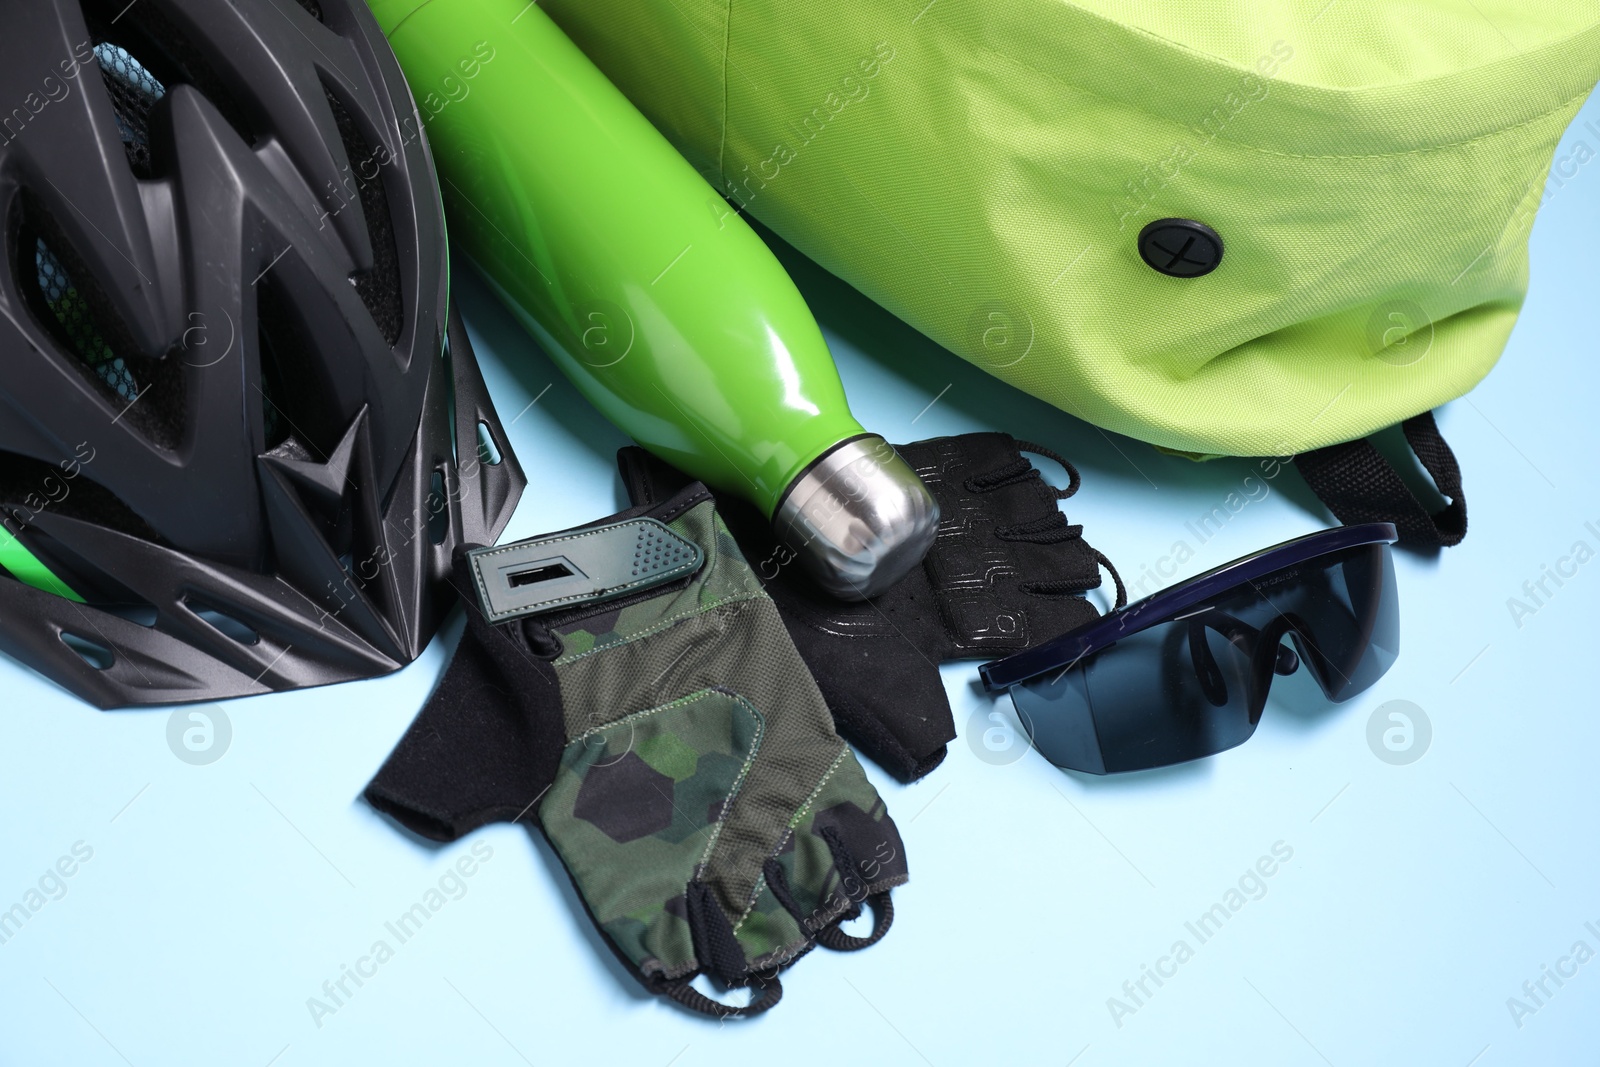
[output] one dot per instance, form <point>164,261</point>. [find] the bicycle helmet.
<point>241,432</point>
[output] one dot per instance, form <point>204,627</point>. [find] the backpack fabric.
<point>1018,179</point>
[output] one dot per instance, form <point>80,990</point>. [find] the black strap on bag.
<point>1359,485</point>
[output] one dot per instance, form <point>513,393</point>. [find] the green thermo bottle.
<point>668,312</point>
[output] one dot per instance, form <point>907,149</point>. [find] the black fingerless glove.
<point>1006,572</point>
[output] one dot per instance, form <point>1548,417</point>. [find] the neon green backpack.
<point>1251,228</point>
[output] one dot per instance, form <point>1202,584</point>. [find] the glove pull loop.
<point>778,883</point>
<point>1074,480</point>
<point>849,871</point>
<point>1122,590</point>
<point>1048,529</point>
<point>832,937</point>
<point>715,944</point>
<point>690,997</point>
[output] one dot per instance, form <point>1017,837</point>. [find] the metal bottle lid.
<point>859,518</point>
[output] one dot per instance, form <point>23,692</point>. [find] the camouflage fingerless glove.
<point>633,683</point>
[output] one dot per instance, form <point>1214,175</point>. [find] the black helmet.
<point>240,430</point>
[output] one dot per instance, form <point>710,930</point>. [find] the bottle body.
<point>661,304</point>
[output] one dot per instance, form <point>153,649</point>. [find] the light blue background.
<point>1418,899</point>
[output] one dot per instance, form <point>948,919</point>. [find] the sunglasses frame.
<point>1169,605</point>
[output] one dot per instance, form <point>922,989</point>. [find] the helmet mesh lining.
<point>379,287</point>
<point>71,312</point>
<point>134,91</point>
<point>61,292</point>
<point>140,59</point>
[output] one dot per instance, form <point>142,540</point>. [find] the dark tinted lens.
<point>1171,693</point>
<point>1193,687</point>
<point>1345,615</point>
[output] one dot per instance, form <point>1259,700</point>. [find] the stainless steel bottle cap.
<point>859,519</point>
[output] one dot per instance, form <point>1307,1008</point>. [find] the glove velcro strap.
<point>581,567</point>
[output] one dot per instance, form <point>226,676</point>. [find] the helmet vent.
<point>225,624</point>
<point>29,486</point>
<point>134,91</point>
<point>93,653</point>
<point>295,401</point>
<point>380,286</point>
<point>145,615</point>
<point>438,508</point>
<point>488,451</point>
<point>140,58</point>
<point>313,9</point>
<point>71,313</point>
<point>61,292</point>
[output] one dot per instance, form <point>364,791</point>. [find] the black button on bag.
<point>1180,248</point>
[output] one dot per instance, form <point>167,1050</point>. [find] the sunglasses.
<point>1184,673</point>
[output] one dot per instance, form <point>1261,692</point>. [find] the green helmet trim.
<point>28,568</point>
